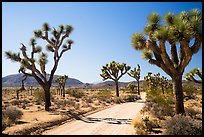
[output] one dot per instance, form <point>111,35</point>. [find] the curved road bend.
<point>115,120</point>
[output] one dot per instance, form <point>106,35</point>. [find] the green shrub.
<point>182,125</point>
<point>76,93</point>
<point>160,105</point>
<point>39,96</point>
<point>131,98</point>
<point>190,91</point>
<point>104,95</point>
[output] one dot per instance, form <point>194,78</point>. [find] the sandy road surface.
<point>115,120</point>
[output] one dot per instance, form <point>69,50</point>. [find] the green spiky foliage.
<point>177,32</point>
<point>150,81</point>
<point>61,80</point>
<point>190,76</point>
<point>131,87</point>
<point>156,81</point>
<point>114,71</point>
<point>29,63</point>
<point>135,73</point>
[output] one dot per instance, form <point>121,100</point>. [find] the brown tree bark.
<point>47,98</point>
<point>117,88</point>
<point>177,88</point>
<point>138,88</point>
<point>63,91</point>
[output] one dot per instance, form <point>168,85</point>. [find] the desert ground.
<point>36,120</point>
<point>115,120</point>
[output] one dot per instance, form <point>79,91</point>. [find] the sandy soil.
<point>115,120</point>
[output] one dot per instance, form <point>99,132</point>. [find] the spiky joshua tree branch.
<point>190,76</point>
<point>29,63</point>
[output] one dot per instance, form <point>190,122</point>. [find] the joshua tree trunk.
<point>138,88</point>
<point>116,88</point>
<point>63,91</point>
<point>17,94</point>
<point>47,98</point>
<point>177,88</point>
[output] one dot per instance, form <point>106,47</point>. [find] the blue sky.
<point>102,33</point>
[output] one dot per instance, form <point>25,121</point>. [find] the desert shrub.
<point>89,100</point>
<point>139,126</point>
<point>63,103</point>
<point>24,101</point>
<point>15,102</point>
<point>192,112</point>
<point>149,124</point>
<point>119,100</point>
<point>131,98</point>
<point>77,106</point>
<point>6,122</point>
<point>13,113</point>
<point>104,95</point>
<point>159,104</point>
<point>24,106</point>
<point>39,96</point>
<point>182,125</point>
<point>190,91</point>
<point>76,93</point>
<point>145,125</point>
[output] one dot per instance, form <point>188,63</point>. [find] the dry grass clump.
<point>144,124</point>
<point>10,116</point>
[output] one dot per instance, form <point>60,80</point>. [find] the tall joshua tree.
<point>135,73</point>
<point>114,71</point>
<point>61,80</point>
<point>177,32</point>
<point>190,76</point>
<point>28,63</point>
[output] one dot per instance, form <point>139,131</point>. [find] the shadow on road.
<point>109,120</point>
<point>94,120</point>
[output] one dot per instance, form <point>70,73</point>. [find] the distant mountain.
<point>15,80</point>
<point>111,84</point>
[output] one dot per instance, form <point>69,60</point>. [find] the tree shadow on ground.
<point>94,120</point>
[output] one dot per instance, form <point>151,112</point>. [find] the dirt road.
<point>112,121</point>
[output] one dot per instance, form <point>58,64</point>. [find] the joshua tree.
<point>131,87</point>
<point>163,82</point>
<point>135,73</point>
<point>31,90</point>
<point>114,71</point>
<point>151,81</point>
<point>28,63</point>
<point>190,76</point>
<point>61,80</point>
<point>178,31</point>
<point>156,81</point>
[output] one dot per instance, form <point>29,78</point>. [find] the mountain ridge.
<point>14,80</point>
